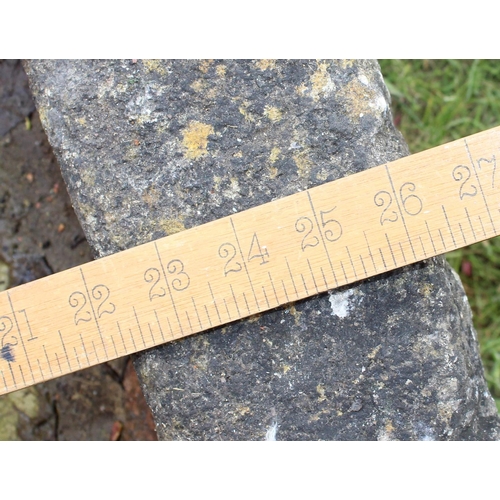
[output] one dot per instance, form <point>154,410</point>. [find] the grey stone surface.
<point>148,148</point>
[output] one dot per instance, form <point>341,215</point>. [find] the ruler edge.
<point>182,234</point>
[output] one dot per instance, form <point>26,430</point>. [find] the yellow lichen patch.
<point>303,163</point>
<point>296,314</point>
<point>273,113</point>
<point>300,89</point>
<point>253,318</point>
<point>199,85</point>
<point>426,289</point>
<point>374,352</point>
<point>264,64</point>
<point>346,63</point>
<point>172,226</point>
<point>273,171</point>
<point>389,427</point>
<point>320,389</point>
<point>155,65</point>
<point>320,81</point>
<point>205,64</point>
<point>286,368</point>
<point>359,98</point>
<point>275,153</point>
<point>220,69</point>
<point>244,111</point>
<point>243,410</point>
<point>82,121</point>
<point>195,139</point>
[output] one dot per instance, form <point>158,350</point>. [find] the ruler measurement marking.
<point>246,303</point>
<point>462,231</point>
<point>48,362</point>
<point>95,351</point>
<point>265,296</point>
<point>422,245</point>
<point>197,314</point>
<point>442,239</point>
<point>139,326</point>
<point>370,251</point>
<point>23,311</point>
<point>227,309</point>
<point>363,264</point>
<point>170,328</point>
<point>449,226</point>
<point>400,210</point>
<point>352,263</point>
<point>159,325</point>
<point>20,335</point>
<point>41,371</point>
<point>189,322</point>
<point>291,276</point>
<point>473,163</point>
<point>12,375</point>
<point>324,278</point>
<point>304,283</point>
<point>430,237</point>
<point>208,315</point>
<point>274,289</point>
<point>343,270</point>
<point>93,311</point>
<point>85,350</point>
<point>244,264</point>
<point>214,302</point>
<point>64,349</point>
<point>312,275</point>
<point>335,278</point>
<point>470,223</point>
<point>77,358</point>
<point>402,252</point>
<point>284,289</point>
<point>390,248</point>
<point>4,382</point>
<point>151,334</point>
<point>482,226</point>
<point>132,337</point>
<point>58,362</point>
<point>114,346</point>
<point>22,374</point>
<point>382,257</point>
<point>121,335</point>
<point>235,301</point>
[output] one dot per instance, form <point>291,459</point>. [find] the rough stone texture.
<point>148,148</point>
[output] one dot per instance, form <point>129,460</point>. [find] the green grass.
<point>437,101</point>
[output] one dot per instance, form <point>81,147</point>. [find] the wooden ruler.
<point>316,240</point>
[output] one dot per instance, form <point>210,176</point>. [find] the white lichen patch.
<point>340,303</point>
<point>271,432</point>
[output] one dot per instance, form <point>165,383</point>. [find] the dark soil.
<point>40,235</point>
